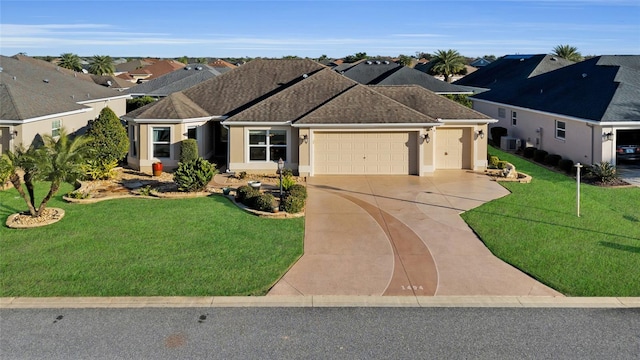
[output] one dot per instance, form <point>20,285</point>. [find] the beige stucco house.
<point>38,100</point>
<point>318,121</point>
<point>579,111</point>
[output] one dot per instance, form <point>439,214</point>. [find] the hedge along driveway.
<point>146,247</point>
<point>537,229</point>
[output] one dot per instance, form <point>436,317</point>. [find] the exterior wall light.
<point>426,138</point>
<point>305,138</point>
<point>481,134</point>
<point>608,136</point>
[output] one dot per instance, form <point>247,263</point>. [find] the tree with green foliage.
<point>184,59</point>
<point>423,55</point>
<point>461,99</point>
<point>447,63</point>
<point>291,57</point>
<point>489,57</point>
<point>355,57</point>
<point>194,175</point>
<point>101,65</point>
<point>61,159</point>
<point>108,136</point>
<point>70,61</point>
<point>323,57</point>
<point>567,52</point>
<point>139,102</point>
<point>405,60</point>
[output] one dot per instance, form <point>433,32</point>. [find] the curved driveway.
<point>400,235</point>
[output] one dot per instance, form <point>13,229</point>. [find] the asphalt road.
<point>320,333</point>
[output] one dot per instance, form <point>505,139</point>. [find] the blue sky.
<point>236,28</point>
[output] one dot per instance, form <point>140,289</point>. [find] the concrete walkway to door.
<point>400,235</point>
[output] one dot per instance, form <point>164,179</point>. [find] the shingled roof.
<point>429,103</point>
<point>512,68</point>
<point>603,89</point>
<point>173,107</point>
<point>408,76</point>
<point>370,71</point>
<point>29,91</point>
<point>174,81</point>
<point>362,105</point>
<point>296,101</point>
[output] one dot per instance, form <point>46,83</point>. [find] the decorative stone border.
<point>271,215</point>
<point>53,215</point>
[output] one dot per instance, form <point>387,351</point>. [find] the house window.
<point>514,118</point>
<point>133,141</point>
<point>192,132</point>
<point>162,142</point>
<point>561,129</point>
<point>55,127</point>
<point>501,113</point>
<point>267,145</point>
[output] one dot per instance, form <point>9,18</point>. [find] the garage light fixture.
<point>481,134</point>
<point>305,138</point>
<point>426,138</point>
<point>14,134</point>
<point>607,136</point>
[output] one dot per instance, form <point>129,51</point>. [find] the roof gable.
<point>409,76</point>
<point>370,71</point>
<point>175,107</point>
<point>178,80</point>
<point>297,100</point>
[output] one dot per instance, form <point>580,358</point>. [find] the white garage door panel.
<point>362,153</point>
<point>452,149</point>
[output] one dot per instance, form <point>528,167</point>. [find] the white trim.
<point>104,99</point>
<point>597,122</point>
<point>151,156</point>
<point>247,147</point>
<point>45,117</point>
<point>468,121</point>
<point>264,165</point>
<point>256,123</point>
<point>170,121</point>
<point>363,127</point>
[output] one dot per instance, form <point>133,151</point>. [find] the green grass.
<point>145,247</point>
<point>536,229</point>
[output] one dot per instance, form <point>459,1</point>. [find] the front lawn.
<point>536,229</point>
<point>145,247</point>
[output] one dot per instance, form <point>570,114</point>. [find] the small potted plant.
<point>157,168</point>
<point>226,190</point>
<point>255,184</point>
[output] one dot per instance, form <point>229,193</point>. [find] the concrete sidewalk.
<point>400,235</point>
<point>320,301</point>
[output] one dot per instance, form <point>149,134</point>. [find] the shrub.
<point>194,175</point>
<point>552,159</point>
<point>287,172</point>
<point>287,182</point>
<point>145,191</point>
<point>566,165</point>
<point>493,161</point>
<point>264,202</point>
<point>604,172</point>
<point>188,150</point>
<point>78,195</point>
<point>497,132</point>
<point>241,192</point>
<point>292,203</point>
<point>529,151</point>
<point>539,155</point>
<point>251,197</point>
<point>100,169</point>
<point>241,175</point>
<point>298,190</point>
<point>108,136</point>
<point>138,102</point>
<point>502,164</point>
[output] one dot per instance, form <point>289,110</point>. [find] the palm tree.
<point>63,161</point>
<point>101,65</point>
<point>567,52</point>
<point>70,61</point>
<point>60,159</point>
<point>447,63</point>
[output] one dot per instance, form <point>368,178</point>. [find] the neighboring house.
<point>131,65</point>
<point>112,81</point>
<point>222,66</point>
<point>37,100</point>
<point>155,70</point>
<point>177,80</point>
<point>480,62</point>
<point>316,120</point>
<point>579,111</point>
<point>381,72</point>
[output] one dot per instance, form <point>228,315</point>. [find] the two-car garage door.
<point>365,153</point>
<point>387,153</point>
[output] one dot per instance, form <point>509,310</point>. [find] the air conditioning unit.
<point>509,143</point>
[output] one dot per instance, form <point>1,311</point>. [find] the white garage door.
<point>452,149</point>
<point>365,153</point>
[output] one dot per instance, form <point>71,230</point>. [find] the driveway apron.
<point>400,235</point>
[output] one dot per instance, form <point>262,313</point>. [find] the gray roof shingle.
<point>586,90</point>
<point>29,91</point>
<point>177,80</point>
<point>409,76</point>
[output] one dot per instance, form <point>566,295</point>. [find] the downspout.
<point>228,145</point>
<point>592,141</point>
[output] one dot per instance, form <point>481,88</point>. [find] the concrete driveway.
<point>400,235</point>
<point>630,172</point>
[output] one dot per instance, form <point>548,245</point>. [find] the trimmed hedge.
<point>298,190</point>
<point>529,151</point>
<point>264,202</point>
<point>241,193</point>
<point>552,159</point>
<point>493,161</point>
<point>251,198</point>
<point>566,165</point>
<point>539,155</point>
<point>188,150</point>
<point>292,203</point>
